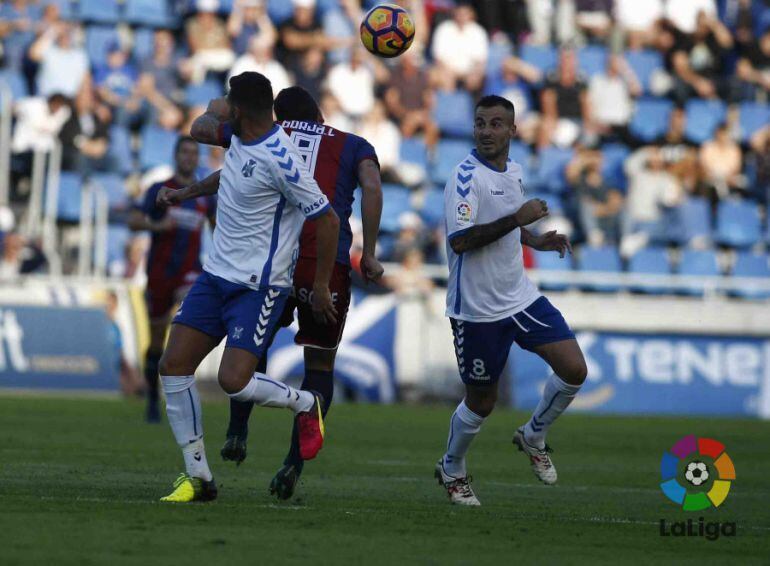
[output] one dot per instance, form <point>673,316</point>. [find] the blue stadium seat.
<point>118,236</point>
<point>99,11</point>
<point>698,262</point>
<point>143,43</point>
<point>653,261</point>
<point>395,201</point>
<point>605,258</point>
<point>432,209</point>
<point>119,151</point>
<point>644,63</point>
<point>114,187</point>
<point>15,82</point>
<point>521,154</point>
<point>748,264</point>
<point>703,117</point>
<point>453,113</point>
<point>550,261</point>
<point>549,174</point>
<point>693,221</point>
<point>157,147</point>
<point>65,8</point>
<point>498,52</point>
<point>152,13</point>
<point>279,11</point>
<point>738,224</point>
<point>201,94</point>
<point>592,60</point>
<point>448,154</point>
<point>545,58</point>
<point>650,119</point>
<point>414,150</point>
<point>98,39</point>
<point>614,156</point>
<point>70,187</point>
<point>752,116</point>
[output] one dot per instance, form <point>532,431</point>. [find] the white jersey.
<point>264,198</point>
<point>489,283</point>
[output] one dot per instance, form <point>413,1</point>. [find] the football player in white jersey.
<point>264,199</point>
<point>491,303</point>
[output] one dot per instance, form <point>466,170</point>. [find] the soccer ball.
<point>387,30</point>
<point>697,473</point>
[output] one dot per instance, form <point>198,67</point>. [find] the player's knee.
<point>170,366</point>
<point>228,382</point>
<point>576,372</point>
<point>482,403</point>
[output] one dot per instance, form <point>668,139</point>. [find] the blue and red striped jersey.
<point>175,254</point>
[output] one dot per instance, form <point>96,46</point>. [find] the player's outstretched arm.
<point>548,242</point>
<point>207,128</point>
<point>482,235</point>
<point>371,212</point>
<point>206,187</point>
<point>327,236</point>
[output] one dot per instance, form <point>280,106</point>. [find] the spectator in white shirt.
<point>460,47</point>
<point>385,136</point>
<point>352,84</point>
<point>637,19</point>
<point>610,96</point>
<point>684,13</point>
<point>63,64</point>
<point>259,59</point>
<point>38,122</point>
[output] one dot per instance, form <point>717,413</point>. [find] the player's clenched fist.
<point>531,211</point>
<point>167,197</point>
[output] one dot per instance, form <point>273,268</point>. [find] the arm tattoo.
<point>483,234</point>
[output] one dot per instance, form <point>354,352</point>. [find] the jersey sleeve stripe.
<point>264,280</point>
<point>458,233</point>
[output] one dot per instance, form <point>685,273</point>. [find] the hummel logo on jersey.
<point>497,192</point>
<point>248,168</point>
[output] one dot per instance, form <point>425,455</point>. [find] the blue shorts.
<point>217,307</point>
<point>482,347</point>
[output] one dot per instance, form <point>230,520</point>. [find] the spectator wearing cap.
<point>63,65</point>
<point>116,83</point>
<point>248,19</point>
<point>209,43</point>
<point>460,49</point>
<point>352,84</point>
<point>259,59</point>
<point>636,20</point>
<point>409,98</point>
<point>611,96</point>
<point>564,103</point>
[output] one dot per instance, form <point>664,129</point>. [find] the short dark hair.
<point>251,92</point>
<point>181,140</point>
<point>492,100</point>
<point>295,103</point>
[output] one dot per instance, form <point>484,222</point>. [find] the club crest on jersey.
<point>248,168</point>
<point>464,212</point>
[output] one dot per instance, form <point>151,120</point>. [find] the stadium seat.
<point>521,154</point>
<point>119,151</point>
<point>614,156</point>
<point>693,222</point>
<point>702,118</point>
<point>414,150</point>
<point>70,187</point>
<point>98,39</point>
<point>395,201</point>
<point>550,261</point>
<point>201,94</point>
<point>651,261</point>
<point>698,262</point>
<point>118,236</point>
<point>157,147</point>
<point>15,83</point>
<point>752,116</point>
<point>499,51</point>
<point>448,154</point>
<point>432,209</point>
<point>738,224</point>
<point>98,11</point>
<point>114,187</point>
<point>453,113</point>
<point>279,11</point>
<point>644,63</point>
<point>650,119</point>
<point>603,259</point>
<point>549,174</point>
<point>748,264</point>
<point>545,58</point>
<point>592,60</point>
<point>150,13</point>
<point>143,43</point>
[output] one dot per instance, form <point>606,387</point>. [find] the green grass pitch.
<point>80,479</point>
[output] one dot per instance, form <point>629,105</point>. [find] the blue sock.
<point>321,382</point>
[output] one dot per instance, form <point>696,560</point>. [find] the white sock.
<point>183,407</point>
<point>270,393</point>
<point>463,428</point>
<point>557,396</point>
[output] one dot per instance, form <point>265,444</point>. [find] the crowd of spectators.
<point>610,98</point>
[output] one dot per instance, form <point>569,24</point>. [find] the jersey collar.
<point>263,137</point>
<point>486,163</point>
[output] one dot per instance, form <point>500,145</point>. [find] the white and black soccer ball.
<point>697,473</point>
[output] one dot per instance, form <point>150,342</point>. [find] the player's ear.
<point>514,129</point>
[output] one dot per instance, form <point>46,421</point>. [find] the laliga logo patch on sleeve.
<point>464,212</point>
